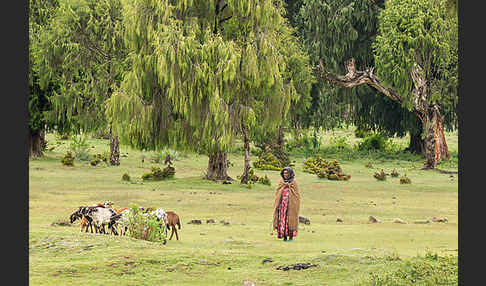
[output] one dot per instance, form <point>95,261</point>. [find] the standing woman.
<point>286,206</point>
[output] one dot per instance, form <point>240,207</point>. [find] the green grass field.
<point>216,254</point>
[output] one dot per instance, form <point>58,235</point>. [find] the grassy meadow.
<point>346,253</point>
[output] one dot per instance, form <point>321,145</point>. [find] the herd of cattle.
<point>104,214</point>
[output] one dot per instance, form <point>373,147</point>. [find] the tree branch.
<point>355,78</point>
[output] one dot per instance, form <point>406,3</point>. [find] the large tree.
<point>415,52</point>
<point>40,14</point>
<point>199,68</point>
<point>335,31</point>
<point>83,52</point>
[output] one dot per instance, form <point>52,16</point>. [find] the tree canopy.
<point>81,51</point>
<point>200,68</point>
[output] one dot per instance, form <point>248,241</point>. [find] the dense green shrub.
<point>429,270</point>
<point>158,174</point>
<point>330,170</point>
<point>405,180</point>
<point>145,227</point>
<point>98,158</point>
<point>362,132</point>
<point>159,157</point>
<point>68,159</point>
<point>268,161</point>
<point>253,178</point>
<point>126,177</point>
<point>264,180</point>
<point>80,147</point>
<point>376,141</point>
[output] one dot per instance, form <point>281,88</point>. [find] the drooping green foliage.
<point>81,50</point>
<point>422,32</point>
<point>201,68</point>
<point>40,14</point>
<point>335,31</point>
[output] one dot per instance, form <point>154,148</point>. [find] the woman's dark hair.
<point>291,174</point>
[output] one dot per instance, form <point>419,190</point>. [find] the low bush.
<point>80,148</point>
<point>68,159</point>
<point>254,178</point>
<point>126,177</point>
<point>427,270</point>
<point>376,141</point>
<point>381,176</point>
<point>98,158</point>
<point>330,170</point>
<point>158,174</point>
<point>145,226</point>
<point>268,161</point>
<point>362,132</point>
<point>405,180</point>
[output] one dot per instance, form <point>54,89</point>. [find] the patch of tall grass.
<point>430,269</point>
<point>340,147</point>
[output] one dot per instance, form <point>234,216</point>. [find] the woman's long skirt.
<point>283,216</point>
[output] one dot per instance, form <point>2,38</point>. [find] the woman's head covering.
<point>291,174</point>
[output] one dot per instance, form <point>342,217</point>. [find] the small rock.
<point>248,283</point>
<point>304,220</point>
<point>195,221</point>
<point>372,219</point>
<point>442,219</point>
<point>339,220</point>
<point>267,260</point>
<point>210,221</point>
<point>398,220</point>
<point>422,222</point>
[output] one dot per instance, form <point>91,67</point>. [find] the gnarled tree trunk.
<point>218,167</point>
<point>246,145</point>
<point>35,144</point>
<point>432,121</point>
<point>429,114</point>
<point>435,144</point>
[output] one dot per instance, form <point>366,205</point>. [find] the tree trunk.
<point>417,144</point>
<point>432,121</point>
<point>218,167</point>
<point>114,150</point>
<point>246,145</point>
<point>35,144</point>
<point>429,114</point>
<point>280,139</point>
<point>435,144</point>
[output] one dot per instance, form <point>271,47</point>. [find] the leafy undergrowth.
<point>430,269</point>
